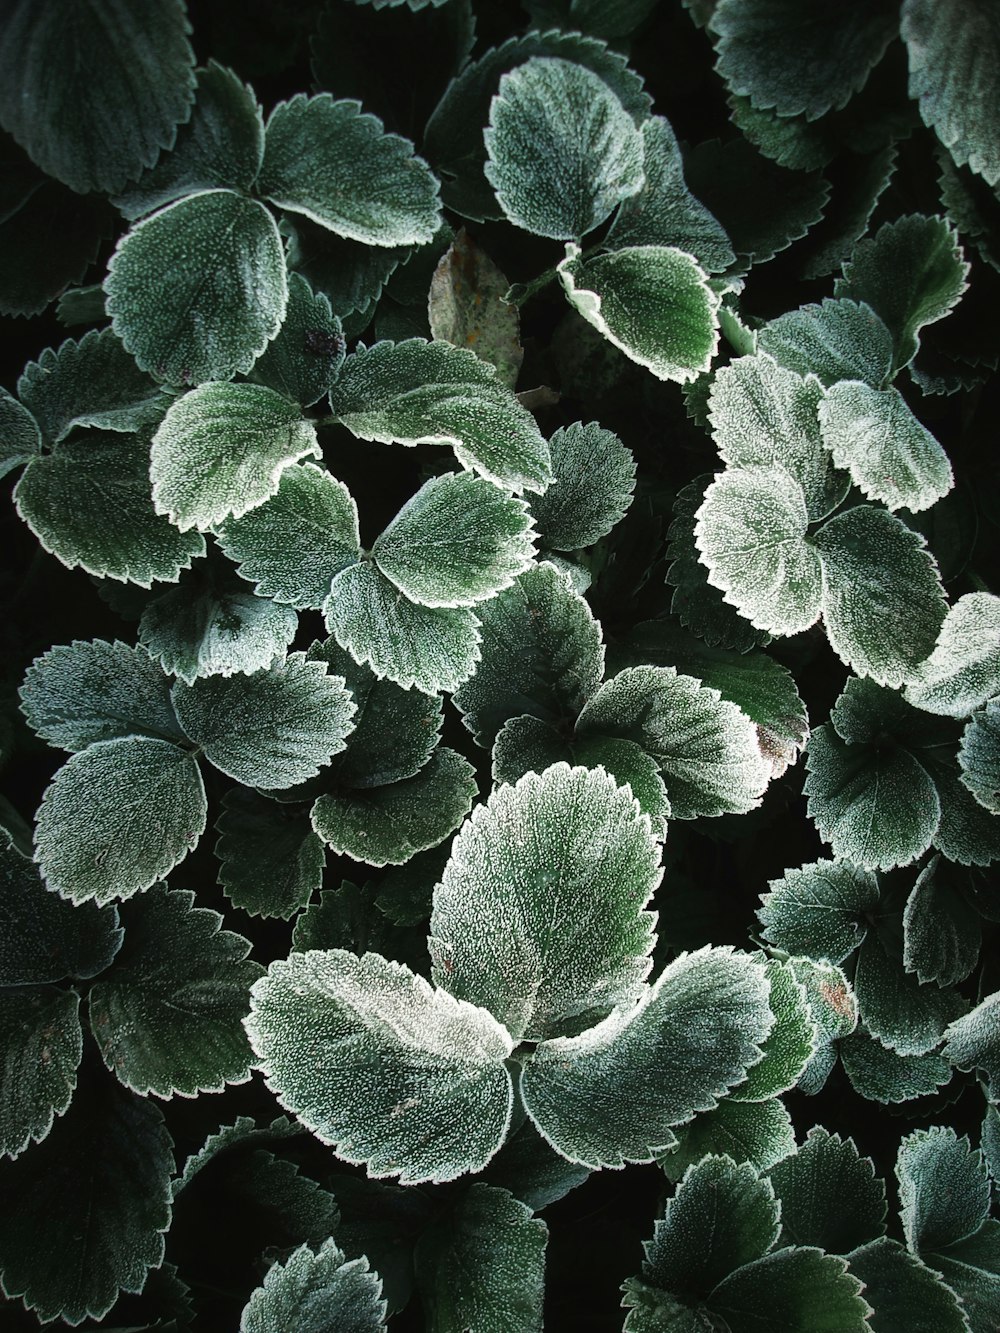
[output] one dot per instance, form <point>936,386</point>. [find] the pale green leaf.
<point>979,756</point>
<point>465,307</point>
<point>819,910</point>
<point>221,450</point>
<point>20,437</point>
<point>432,648</point>
<point>891,456</point>
<point>389,1072</point>
<point>316,1293</point>
<point>167,1016</point>
<point>973,1042</point>
<point>944,1188</point>
<point>880,1074</point>
<point>540,914</point>
<point>797,1290</point>
<point>271,861</point>
<point>118,817</point>
<point>97,691</point>
<point>751,535</point>
<point>594,477</point>
<point>43,1046</point>
<point>612,1094</point>
<point>904,1292</point>
<point>835,340</point>
<point>791,1044</point>
<point>760,1133</point>
<point>96,91</point>
<point>903,1014</point>
<point>336,165</point>
<point>89,504</point>
<point>830,1196</point>
<point>274,728</point>
<point>652,301</point>
<point>197,290</point>
<point>387,825</point>
<point>305,358</point>
<point>294,544</point>
<point>963,670</point>
<point>942,931</point>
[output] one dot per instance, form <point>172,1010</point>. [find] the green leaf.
<point>95,93</point>
<point>967,833</point>
<point>963,671</point>
<point>830,997</point>
<point>315,1292</point>
<point>352,276</point>
<point>882,598</point>
<point>664,211</point>
<point>979,757</point>
<point>764,416</point>
<point>214,627</point>
<point>220,145</point>
<point>911,273</point>
<point>612,1094</point>
<point>819,910</point>
<point>706,747</point>
<point>791,1044</point>
<point>197,290</point>
<point>306,356</point>
<point>294,544</point>
<point>835,340</point>
<point>562,150</point>
<point>570,847</point>
<point>875,805</point>
<point>93,382</point>
<point>167,1016</point>
<point>541,653</point>
<point>760,1133</point>
<point>431,648</point>
<point>231,1140</point>
<point>88,503</point>
<point>389,1072</point>
<point>594,477</point>
<point>275,728</point>
<point>532,1169</point>
<point>43,1046</point>
<point>271,860</point>
<point>118,817</point>
<point>86,692</point>
<point>883,1075</point>
<point>387,825</point>
<point>944,1188</point>
<point>970,1268</point>
<point>942,931</point>
<point>466,307</point>
<point>903,1291</point>
<point>457,542</point>
<point>221,449</point>
<point>830,1196</point>
<point>417,392</point>
<point>973,1042</point>
<point>651,301</point>
<point>483,1265</point>
<point>895,1007</point>
<point>99,1186</point>
<point>800,1290</point>
<point>751,535</point>
<point>869,714</point>
<point>800,59</point>
<point>20,437</point>
<point>953,61</point>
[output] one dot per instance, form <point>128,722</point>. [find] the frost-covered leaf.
<point>387,825</point>
<point>562,150</point>
<point>891,456</point>
<point>942,931</point>
<point>352,276</point>
<point>880,1074</point>
<point>211,626</point>
<point>903,1291</point>
<point>652,301</point>
<point>271,860</point>
<point>911,273</point>
<point>612,1094</point>
<point>117,817</point>
<point>275,728</point>
<point>973,1042</point>
<point>594,476</point>
<point>706,747</point>
<point>963,671</point>
<point>99,1186</point>
<point>835,340</point>
<point>532,1170</point>
<point>882,598</point>
<point>457,542</point>
<point>971,1268</point>
<point>944,1188</point>
<point>760,1133</point>
<point>799,56</point>
<point>539,916</point>
<point>20,436</point>
<point>97,691</point>
<point>482,1266</point>
<point>197,290</point>
<point>751,535</point>
<point>979,757</point>
<point>819,910</point>
<point>89,504</point>
<point>954,53</point>
<point>432,648</point>
<point>386,1070</point>
<point>336,165</point>
<point>541,655</point>
<point>43,1045</point>
<point>316,1292</point>
<point>167,1016</point>
<point>416,392</point>
<point>830,997</point>
<point>763,416</point>
<point>799,1289</point>
<point>294,544</point>
<point>791,1044</point>
<point>221,449</point>
<point>967,833</point>
<point>875,805</point>
<point>664,211</point>
<point>830,1196</point>
<point>465,307</point>
<point>230,1139</point>
<point>95,92</point>
<point>93,382</point>
<point>895,1007</point>
<point>306,356</point>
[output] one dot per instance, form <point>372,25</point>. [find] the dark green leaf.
<point>43,1045</point>
<point>306,356</point>
<point>967,833</point>
<point>979,757</point>
<point>904,1292</point>
<point>942,930</point>
<point>830,1196</point>
<point>791,1044</point>
<point>895,1008</point>
<point>271,860</point>
<point>760,1133</point>
<point>973,1042</point>
<point>591,490</point>
<point>32,271</point>
<point>800,1290</point>
<point>20,437</point>
<point>883,1075</point>
<point>819,910</point>
<point>835,340</point>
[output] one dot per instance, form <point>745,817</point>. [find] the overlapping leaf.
<point>271,861</point>
<point>963,670</point>
<point>819,910</point>
<point>311,1292</point>
<point>979,756</point>
<point>43,1046</point>
<point>835,340</point>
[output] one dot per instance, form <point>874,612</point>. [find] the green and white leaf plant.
<point>526,478</point>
